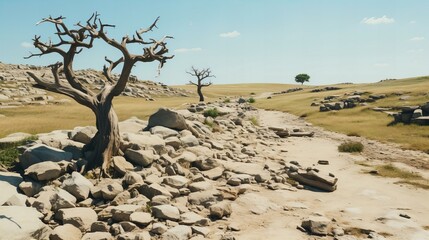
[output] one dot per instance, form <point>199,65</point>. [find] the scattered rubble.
<point>290,90</point>
<point>348,100</point>
<point>413,115</point>
<point>325,89</point>
<point>18,90</point>
<point>178,179</point>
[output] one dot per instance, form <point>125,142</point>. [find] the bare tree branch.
<point>72,41</point>
<point>107,71</point>
<point>200,75</point>
<point>58,87</point>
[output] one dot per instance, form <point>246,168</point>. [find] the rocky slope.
<point>186,176</point>
<point>18,89</point>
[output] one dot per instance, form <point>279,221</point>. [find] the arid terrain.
<point>246,172</point>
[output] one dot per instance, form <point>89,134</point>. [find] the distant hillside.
<point>18,89</point>
<point>387,97</point>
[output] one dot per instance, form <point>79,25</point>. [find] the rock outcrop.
<point>18,90</point>
<point>178,178</point>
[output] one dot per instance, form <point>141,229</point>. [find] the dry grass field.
<point>39,119</point>
<point>361,120</point>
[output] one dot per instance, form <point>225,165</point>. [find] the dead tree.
<point>201,75</point>
<point>106,141</point>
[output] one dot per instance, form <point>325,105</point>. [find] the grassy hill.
<point>361,120</point>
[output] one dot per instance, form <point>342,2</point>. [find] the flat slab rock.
<point>252,169</point>
<point>40,153</point>
<point>14,137</point>
<point>17,223</point>
<point>8,185</point>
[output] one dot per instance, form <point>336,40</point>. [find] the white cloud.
<point>380,20</point>
<point>413,22</point>
<point>26,45</point>
<point>184,50</point>
<point>416,50</point>
<point>381,65</point>
<point>232,34</point>
<point>416,39</point>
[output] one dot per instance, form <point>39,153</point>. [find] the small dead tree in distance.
<point>106,141</point>
<point>201,75</point>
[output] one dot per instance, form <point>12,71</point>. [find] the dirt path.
<point>361,201</point>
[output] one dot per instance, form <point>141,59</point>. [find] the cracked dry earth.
<point>361,201</point>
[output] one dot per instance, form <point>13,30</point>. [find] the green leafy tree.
<point>301,78</point>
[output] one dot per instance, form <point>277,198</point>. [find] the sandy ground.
<point>361,200</point>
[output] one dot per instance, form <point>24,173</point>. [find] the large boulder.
<point>179,232</point>
<point>29,188</point>
<point>54,139</point>
<point>317,225</point>
<point>176,181</point>
<point>111,190</point>
<point>83,134</point>
<point>166,212</point>
<point>191,218</point>
<point>62,199</point>
<point>8,185</point>
<point>205,163</point>
<point>18,223</point>
<point>65,232</point>
<point>189,141</point>
<point>163,131</point>
<point>153,190</point>
<point>14,138</point>
<point>201,186</point>
<point>123,212</point>
<point>314,179</point>
<point>141,218</point>
<point>145,140</point>
<point>40,153</point>
<point>219,210</point>
<point>131,178</point>
<point>140,157</point>
<point>16,200</point>
<point>97,236</point>
<point>132,125</point>
<point>44,171</point>
<point>79,217</point>
<point>167,118</point>
<point>205,198</point>
<point>121,165</point>
<point>53,199</point>
<point>78,186</point>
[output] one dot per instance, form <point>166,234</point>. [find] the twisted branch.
<point>201,75</point>
<point>83,36</point>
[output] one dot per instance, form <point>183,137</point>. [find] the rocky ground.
<point>247,174</point>
<point>17,89</point>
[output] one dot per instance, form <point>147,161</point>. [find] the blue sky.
<point>244,40</point>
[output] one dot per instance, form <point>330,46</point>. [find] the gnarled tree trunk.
<point>200,93</point>
<point>106,142</point>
